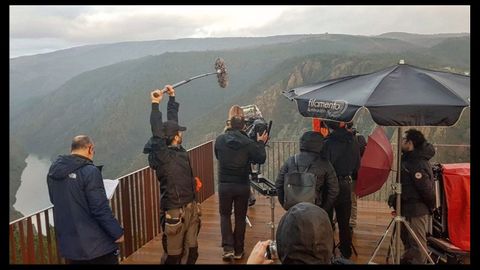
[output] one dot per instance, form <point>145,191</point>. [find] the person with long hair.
<point>235,152</point>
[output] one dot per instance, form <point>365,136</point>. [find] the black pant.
<point>110,258</point>
<point>237,194</point>
<point>343,209</point>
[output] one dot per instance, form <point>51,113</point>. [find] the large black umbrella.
<point>401,95</point>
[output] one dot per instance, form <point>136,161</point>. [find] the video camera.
<point>254,121</point>
<point>256,124</point>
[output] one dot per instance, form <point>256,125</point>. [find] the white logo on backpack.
<point>73,175</point>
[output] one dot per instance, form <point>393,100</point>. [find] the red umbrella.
<point>376,163</point>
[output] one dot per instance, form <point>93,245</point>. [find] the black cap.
<point>171,128</point>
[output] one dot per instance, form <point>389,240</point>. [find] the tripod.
<point>398,220</point>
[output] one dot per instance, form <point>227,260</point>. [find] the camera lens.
<point>271,253</point>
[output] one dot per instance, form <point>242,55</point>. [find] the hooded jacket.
<point>305,236</point>
<point>235,152</point>
<point>84,223</point>
<point>342,150</point>
<point>418,196</point>
<point>311,144</point>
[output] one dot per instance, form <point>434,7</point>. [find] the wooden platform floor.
<point>373,218</point>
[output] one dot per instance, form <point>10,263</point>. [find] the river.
<point>32,195</point>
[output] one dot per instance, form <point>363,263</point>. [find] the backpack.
<point>299,186</point>
<point>148,149</point>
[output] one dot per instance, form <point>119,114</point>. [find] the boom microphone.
<point>220,70</point>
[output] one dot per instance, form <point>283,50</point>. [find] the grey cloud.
<point>83,25</point>
<point>370,20</point>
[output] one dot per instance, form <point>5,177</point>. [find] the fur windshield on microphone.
<point>221,69</point>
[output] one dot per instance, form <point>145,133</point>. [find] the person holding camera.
<point>418,197</point>
<point>310,160</point>
<point>180,213</point>
<point>304,236</point>
<point>235,152</point>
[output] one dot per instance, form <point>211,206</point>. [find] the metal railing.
<point>135,203</point>
<point>279,151</point>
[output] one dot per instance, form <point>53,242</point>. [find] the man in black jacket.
<point>86,229</point>
<point>179,215</point>
<point>235,152</point>
<point>342,150</point>
<point>311,145</point>
<point>418,197</point>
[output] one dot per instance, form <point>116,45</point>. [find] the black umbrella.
<point>401,95</point>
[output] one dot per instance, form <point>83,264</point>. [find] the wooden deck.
<point>373,218</point>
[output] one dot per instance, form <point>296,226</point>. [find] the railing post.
<point>126,218</point>
<point>40,238</point>
<point>13,246</point>
<point>30,244</point>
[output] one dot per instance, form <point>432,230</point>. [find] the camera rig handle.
<point>268,130</point>
<point>264,186</point>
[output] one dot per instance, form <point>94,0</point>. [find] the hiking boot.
<point>228,255</point>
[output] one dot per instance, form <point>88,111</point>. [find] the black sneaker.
<point>238,256</point>
<point>251,202</point>
<point>228,255</point>
<point>345,257</point>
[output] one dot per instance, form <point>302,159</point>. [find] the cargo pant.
<point>413,253</point>
<point>180,228</point>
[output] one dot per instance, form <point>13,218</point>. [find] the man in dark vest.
<point>179,215</point>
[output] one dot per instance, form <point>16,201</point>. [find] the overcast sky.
<point>40,29</point>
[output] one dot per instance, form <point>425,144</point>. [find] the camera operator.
<point>235,152</point>
<point>304,236</point>
<point>418,197</point>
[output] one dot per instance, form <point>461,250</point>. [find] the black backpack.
<point>299,186</point>
<point>149,150</point>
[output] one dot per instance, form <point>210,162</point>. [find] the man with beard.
<point>418,197</point>
<point>179,215</point>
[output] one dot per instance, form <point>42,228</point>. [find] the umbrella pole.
<point>398,190</point>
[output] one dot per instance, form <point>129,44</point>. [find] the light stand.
<point>397,221</point>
